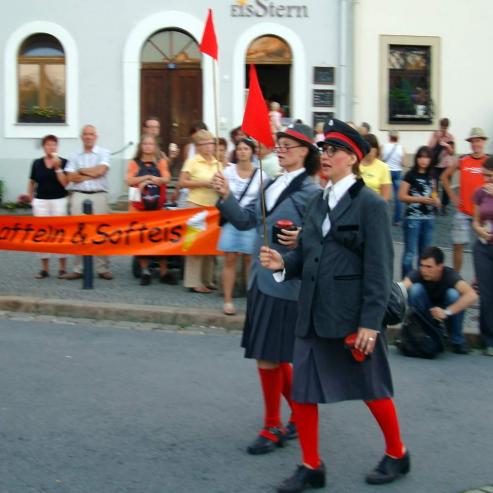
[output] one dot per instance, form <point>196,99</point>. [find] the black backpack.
<point>420,338</point>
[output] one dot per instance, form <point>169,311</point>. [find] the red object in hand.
<point>281,224</point>
<point>349,342</point>
<point>285,224</point>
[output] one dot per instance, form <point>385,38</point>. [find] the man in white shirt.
<point>88,171</point>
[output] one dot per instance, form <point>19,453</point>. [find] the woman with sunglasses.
<point>272,308</point>
<point>344,258</point>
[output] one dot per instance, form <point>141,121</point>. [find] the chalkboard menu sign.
<point>323,75</point>
<point>322,117</point>
<point>323,98</point>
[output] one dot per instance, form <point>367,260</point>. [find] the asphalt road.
<point>95,408</point>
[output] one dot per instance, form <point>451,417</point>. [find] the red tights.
<point>306,417</point>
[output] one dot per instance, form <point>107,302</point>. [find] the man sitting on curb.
<point>441,295</point>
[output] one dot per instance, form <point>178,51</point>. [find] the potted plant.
<point>41,114</point>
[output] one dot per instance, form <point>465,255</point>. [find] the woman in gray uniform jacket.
<point>268,334</point>
<point>344,258</point>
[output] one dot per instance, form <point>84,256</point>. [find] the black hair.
<point>47,138</point>
<point>196,126</point>
<point>444,122</point>
<point>235,131</point>
<point>249,142</point>
<point>433,252</point>
<point>421,152</point>
<point>373,142</point>
<point>222,142</point>
<point>312,161</point>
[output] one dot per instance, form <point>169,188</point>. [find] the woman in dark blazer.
<point>272,308</point>
<point>344,258</point>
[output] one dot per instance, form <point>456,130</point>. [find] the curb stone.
<point>141,316</point>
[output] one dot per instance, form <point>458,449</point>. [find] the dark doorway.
<point>274,81</point>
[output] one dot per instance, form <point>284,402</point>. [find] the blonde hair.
<point>203,136</point>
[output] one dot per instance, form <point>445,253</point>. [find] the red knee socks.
<point>271,381</point>
<point>287,383</point>
<point>385,413</point>
<point>306,418</point>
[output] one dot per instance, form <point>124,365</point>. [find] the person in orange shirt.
<point>148,167</point>
<point>471,178</point>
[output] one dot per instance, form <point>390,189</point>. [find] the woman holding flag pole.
<point>268,335</point>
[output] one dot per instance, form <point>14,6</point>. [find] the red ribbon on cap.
<point>347,140</point>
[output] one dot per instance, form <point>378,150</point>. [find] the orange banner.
<point>179,232</point>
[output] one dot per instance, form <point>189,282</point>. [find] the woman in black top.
<point>418,192</point>
<point>48,194</point>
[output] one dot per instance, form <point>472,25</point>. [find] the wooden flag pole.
<point>262,200</point>
<point>216,111</point>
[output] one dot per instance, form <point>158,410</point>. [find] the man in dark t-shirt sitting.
<point>441,295</point>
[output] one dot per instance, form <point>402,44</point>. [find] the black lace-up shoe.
<point>303,479</point>
<point>267,441</point>
<point>291,431</point>
<point>389,469</point>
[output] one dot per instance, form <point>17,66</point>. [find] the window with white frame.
<point>41,80</point>
<point>409,97</point>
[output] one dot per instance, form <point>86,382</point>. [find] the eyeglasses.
<point>285,148</point>
<point>205,143</point>
<point>331,150</point>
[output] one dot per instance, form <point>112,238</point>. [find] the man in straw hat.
<point>470,178</point>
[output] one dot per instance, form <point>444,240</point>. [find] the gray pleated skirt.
<point>268,333</point>
<point>325,371</point>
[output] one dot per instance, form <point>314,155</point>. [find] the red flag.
<point>256,122</point>
<point>208,45</point>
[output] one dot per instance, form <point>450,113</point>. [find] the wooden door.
<point>175,97</point>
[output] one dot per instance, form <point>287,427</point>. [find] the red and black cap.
<point>340,134</point>
<point>301,133</point>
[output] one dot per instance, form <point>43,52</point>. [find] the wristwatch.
<point>447,312</point>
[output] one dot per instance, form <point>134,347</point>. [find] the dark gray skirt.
<point>325,371</point>
<point>268,333</point>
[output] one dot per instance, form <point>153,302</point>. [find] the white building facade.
<point>394,64</point>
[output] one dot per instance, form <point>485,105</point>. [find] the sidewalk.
<point>124,299</point>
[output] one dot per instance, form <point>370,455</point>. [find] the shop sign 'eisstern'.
<point>263,8</point>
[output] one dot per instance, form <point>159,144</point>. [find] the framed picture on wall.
<point>323,98</point>
<point>324,75</point>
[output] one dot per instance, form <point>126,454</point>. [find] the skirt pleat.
<point>325,371</point>
<point>270,322</point>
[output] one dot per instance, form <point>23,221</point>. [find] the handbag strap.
<point>391,153</point>
<point>245,190</point>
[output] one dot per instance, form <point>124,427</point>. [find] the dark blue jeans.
<point>419,300</point>
<point>396,183</point>
<point>418,234</point>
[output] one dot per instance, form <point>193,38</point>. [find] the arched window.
<point>41,80</point>
<point>171,47</point>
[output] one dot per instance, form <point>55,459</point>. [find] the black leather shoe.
<point>291,431</point>
<point>145,279</point>
<point>389,469</point>
<point>302,479</point>
<point>268,440</point>
<point>460,348</point>
<point>168,278</point>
